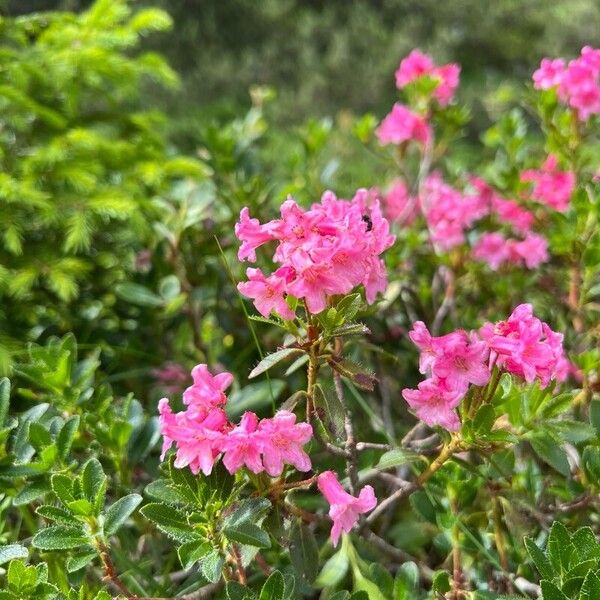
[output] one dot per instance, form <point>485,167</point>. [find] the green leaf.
<point>271,360</point>
<point>119,512</point>
<point>57,514</point>
<point>62,486</point>
<point>80,560</point>
<point>559,547</point>
<point>60,537</point>
<point>31,492</point>
<point>334,570</point>
<point>422,504</point>
<point>191,552</point>
<point>551,592</point>
<point>12,552</point>
<point>4,400</point>
<point>395,458</point>
<point>237,591</point>
<point>169,521</point>
<point>441,582</point>
<point>594,415</point>
<point>590,590</point>
<point>551,453</point>
<point>249,534</point>
<point>211,566</point>
<point>93,481</point>
<point>274,587</point>
<point>248,510</point>
<point>330,411</point>
<point>542,564</point>
<point>254,397</point>
<point>137,294</point>
<point>304,552</point>
<point>65,438</point>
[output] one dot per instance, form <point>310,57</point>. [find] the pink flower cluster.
<point>496,250</point>
<point>452,362</point>
<point>202,432</point>
<point>448,212</point>
<point>417,65</point>
<point>552,186</point>
<point>403,125</point>
<point>344,508</point>
<point>522,345</point>
<point>577,83</point>
<point>527,347</point>
<point>329,249</point>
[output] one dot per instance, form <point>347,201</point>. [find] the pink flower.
<point>252,235</point>
<point>462,361</point>
<point>550,74</point>
<point>283,439</point>
<point>508,211</point>
<point>492,248</point>
<point>434,403</point>
<point>417,65</point>
<point>325,251</point>
<point>577,83</point>
<point>207,391</point>
<point>344,508</point>
<point>551,186</point>
<point>525,346</point>
<point>267,293</point>
<point>533,250</point>
<point>448,212</point>
<point>196,437</point>
<point>243,446</point>
<point>399,205</point>
<point>413,66</point>
<point>403,125</point>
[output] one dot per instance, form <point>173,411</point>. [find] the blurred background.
<point>324,57</point>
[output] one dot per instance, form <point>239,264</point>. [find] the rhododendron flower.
<point>550,74</point>
<point>435,403</point>
<point>242,446</point>
<point>267,293</point>
<point>496,250</point>
<point>399,205</point>
<point>533,250</point>
<point>448,212</point>
<point>327,250</point>
<point>207,391</point>
<point>283,439</point>
<point>577,83</point>
<point>492,248</point>
<point>417,65</point>
<point>196,437</point>
<point>344,508</point>
<point>525,346</point>
<point>462,360</point>
<point>252,235</point>
<point>512,213</point>
<point>403,125</point>
<point>551,186</point>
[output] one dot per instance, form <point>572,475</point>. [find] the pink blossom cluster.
<point>451,362</point>
<point>448,212</point>
<point>577,83</point>
<point>202,433</point>
<point>170,377</point>
<point>552,186</point>
<point>522,345</point>
<point>417,65</point>
<point>344,508</point>
<point>527,347</point>
<point>496,250</point>
<point>327,250</point>
<point>403,125</point>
